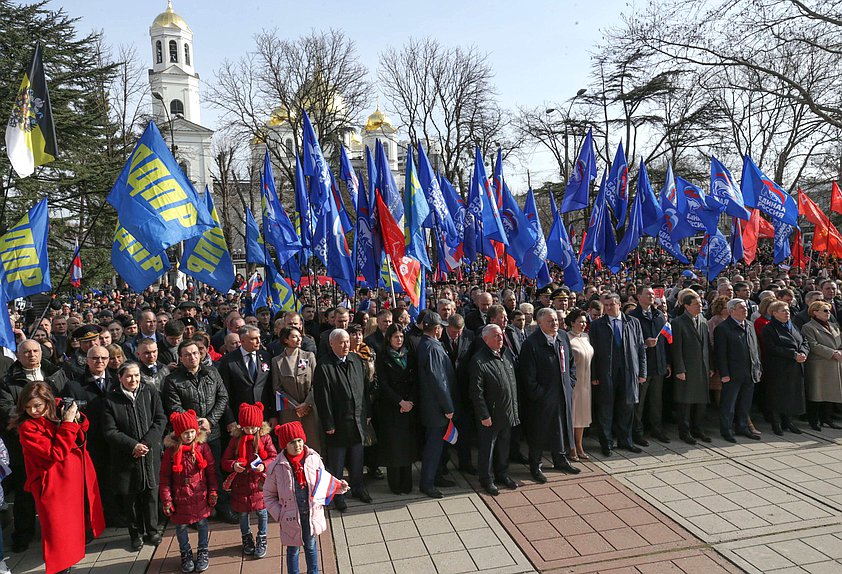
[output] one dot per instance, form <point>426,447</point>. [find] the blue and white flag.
<point>714,255</point>
<point>617,186</point>
<point>725,195</point>
<point>782,233</point>
<point>576,193</point>
<point>761,192</point>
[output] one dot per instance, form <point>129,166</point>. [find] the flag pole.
<point>390,266</point>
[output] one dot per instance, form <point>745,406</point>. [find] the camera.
<point>65,404</point>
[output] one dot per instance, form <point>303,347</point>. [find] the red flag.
<point>798,258</point>
<point>407,269</point>
<point>808,208</point>
<point>765,228</point>
<point>751,230</point>
<point>582,246</point>
<point>835,199</point>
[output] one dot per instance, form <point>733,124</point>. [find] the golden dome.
<point>169,19</point>
<point>279,116</point>
<point>378,120</point>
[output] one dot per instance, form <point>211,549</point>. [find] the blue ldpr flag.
<point>737,249</point>
<point>154,199</point>
<point>724,193</point>
<point>303,220</point>
<point>714,255</point>
<point>440,215</point>
<point>206,258</point>
<point>314,165</point>
<point>7,334</point>
<point>560,252</point>
<point>255,248</point>
<point>24,261</point>
<point>782,233</point>
<point>651,212</point>
<point>277,227</point>
<point>631,237</point>
<point>617,186</point>
<point>348,175</point>
<point>134,262</point>
<point>700,217</point>
<point>535,262</point>
<point>276,293</point>
<point>584,172</point>
<point>764,194</point>
<point>416,212</point>
<point>492,225</point>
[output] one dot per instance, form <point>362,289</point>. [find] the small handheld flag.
<point>283,402</point>
<point>256,462</point>
<point>327,486</point>
<point>666,331</point>
<point>451,435</point>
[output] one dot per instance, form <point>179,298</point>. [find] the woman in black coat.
<point>133,425</point>
<point>785,352</point>
<point>396,412</point>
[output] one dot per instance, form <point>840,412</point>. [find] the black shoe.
<point>564,466</point>
<point>751,435</point>
<point>154,539</point>
<point>729,438</point>
<point>260,546</point>
<point>468,469</point>
<point>606,450</point>
<point>508,482</point>
<point>832,425</point>
<point>537,475</point>
<point>793,429</point>
<point>187,564</point>
<point>432,492</point>
<point>700,434</point>
<point>340,504</point>
<point>375,473</point>
<point>641,441</point>
<point>227,516</point>
<point>445,483</point>
<point>362,495</point>
<point>687,437</point>
<point>137,542</point>
<point>491,489</point>
<point>519,458</point>
<point>202,561</point>
<point>631,448</point>
<point>660,436</point>
<point>248,544</point>
<point>815,426</point>
<point>776,428</point>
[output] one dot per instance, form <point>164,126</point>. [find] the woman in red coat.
<point>60,475</point>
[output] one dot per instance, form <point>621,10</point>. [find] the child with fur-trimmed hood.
<point>188,487</point>
<point>247,457</point>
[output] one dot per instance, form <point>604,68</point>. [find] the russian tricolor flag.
<point>451,435</point>
<point>666,331</point>
<point>327,486</point>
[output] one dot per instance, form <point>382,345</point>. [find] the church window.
<point>187,54</point>
<point>176,107</point>
<point>159,52</point>
<point>173,51</point>
<point>290,147</point>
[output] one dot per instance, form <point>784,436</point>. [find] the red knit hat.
<point>250,415</point>
<point>184,421</point>
<point>288,432</point>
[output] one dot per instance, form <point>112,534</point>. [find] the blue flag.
<point>154,199</point>
<point>674,222</point>
<point>206,258</point>
<point>653,216</point>
<point>439,213</point>
<point>617,186</point>
<point>255,248</point>
<point>24,261</point>
<point>276,293</point>
<point>714,255</point>
<point>576,193</point>
<point>387,186</point>
<point>348,175</point>
<point>376,238</point>
<point>492,225</point>
<point>560,252</point>
<point>782,233</point>
<point>340,268</point>
<point>277,227</point>
<point>416,212</point>
<point>737,249</point>
<point>303,214</point>
<point>340,205</point>
<point>631,237</point>
<point>761,192</point>
<point>367,264</point>
<point>458,212</point>
<point>7,334</point>
<point>724,193</point>
<point>700,217</point>
<point>314,165</point>
<point>134,262</point>
<point>518,229</point>
<point>593,235</point>
<point>535,262</point>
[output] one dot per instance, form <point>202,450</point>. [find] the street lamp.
<point>579,93</point>
<point>159,96</point>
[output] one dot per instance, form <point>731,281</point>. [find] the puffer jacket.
<point>188,491</point>
<point>279,495</point>
<point>203,392</point>
<point>247,487</point>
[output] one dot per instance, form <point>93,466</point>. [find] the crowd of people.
<point>183,406</point>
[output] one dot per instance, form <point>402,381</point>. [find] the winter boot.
<point>202,559</point>
<point>187,561</point>
<point>248,544</point>
<point>260,547</point>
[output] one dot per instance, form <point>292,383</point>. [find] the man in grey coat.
<point>691,361</point>
<point>435,379</point>
<point>617,369</point>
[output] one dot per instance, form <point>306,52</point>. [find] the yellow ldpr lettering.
<point>206,255</point>
<point>29,277</point>
<point>20,258</point>
<point>16,238</point>
<point>158,187</point>
<point>139,253</point>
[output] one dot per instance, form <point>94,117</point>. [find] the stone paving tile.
<point>810,550</point>
<point>689,561</point>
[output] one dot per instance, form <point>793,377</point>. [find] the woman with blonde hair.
<point>823,369</point>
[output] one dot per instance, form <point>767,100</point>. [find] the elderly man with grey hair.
<point>342,403</point>
<point>737,357</point>
<point>445,308</point>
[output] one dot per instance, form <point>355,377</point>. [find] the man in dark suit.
<point>650,407</point>
<point>245,373</point>
<point>617,369</point>
<point>803,317</point>
<point>292,319</point>
<point>341,320</point>
<point>830,290</point>
<point>376,340</point>
<point>547,375</point>
<point>477,318</point>
<point>691,363</point>
<point>742,290</point>
<point>342,403</point>
<point>738,362</point>
<point>458,343</point>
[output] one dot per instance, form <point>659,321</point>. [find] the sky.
<point>539,50</point>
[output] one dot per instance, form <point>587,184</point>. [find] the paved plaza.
<point>773,505</point>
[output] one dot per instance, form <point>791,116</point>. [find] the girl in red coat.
<point>59,474</point>
<point>188,486</point>
<point>247,457</point>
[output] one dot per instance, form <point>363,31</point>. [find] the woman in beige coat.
<point>824,365</point>
<point>292,375</point>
